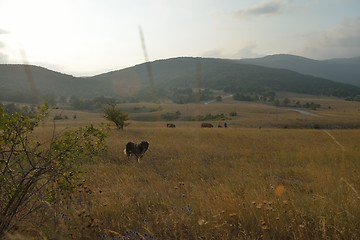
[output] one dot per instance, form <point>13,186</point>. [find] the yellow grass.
<point>332,113</point>
<point>229,184</point>
<point>236,183</point>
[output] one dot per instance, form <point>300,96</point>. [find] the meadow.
<point>266,176</point>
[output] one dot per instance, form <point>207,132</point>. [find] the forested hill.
<point>345,70</point>
<point>226,75</point>
<point>168,76</point>
<point>20,82</point>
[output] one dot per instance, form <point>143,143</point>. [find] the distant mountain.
<point>23,81</point>
<point>344,70</point>
<point>171,78</point>
<point>224,74</point>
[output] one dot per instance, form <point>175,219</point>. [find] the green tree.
<point>171,116</point>
<point>206,95</point>
<point>34,174</point>
<point>233,114</point>
<point>115,115</point>
<point>50,99</point>
<point>286,101</point>
<point>277,102</point>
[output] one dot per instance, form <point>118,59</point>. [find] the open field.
<point>236,183</point>
<point>332,113</point>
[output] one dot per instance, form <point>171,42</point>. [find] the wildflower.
<point>279,190</point>
<point>202,222</point>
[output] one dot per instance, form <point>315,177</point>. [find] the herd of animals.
<point>139,149</point>
<point>203,125</point>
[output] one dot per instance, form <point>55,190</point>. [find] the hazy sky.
<point>88,37</point>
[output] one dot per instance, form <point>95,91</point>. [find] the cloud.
<point>247,51</point>
<point>3,57</point>
<point>2,31</point>
<point>268,7</point>
<point>341,40</point>
<point>215,53</point>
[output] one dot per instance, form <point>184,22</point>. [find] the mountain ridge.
<point>345,70</point>
<point>170,75</point>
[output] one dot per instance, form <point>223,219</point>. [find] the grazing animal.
<point>170,125</point>
<point>136,149</point>
<point>207,125</point>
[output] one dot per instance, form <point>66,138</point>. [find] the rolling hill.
<point>169,75</point>
<point>222,74</point>
<point>345,70</point>
<point>22,82</point>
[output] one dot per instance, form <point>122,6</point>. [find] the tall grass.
<point>228,184</point>
<point>234,183</point>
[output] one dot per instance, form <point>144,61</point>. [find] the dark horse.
<point>207,125</point>
<point>136,149</point>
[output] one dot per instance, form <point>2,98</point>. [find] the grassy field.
<point>243,182</point>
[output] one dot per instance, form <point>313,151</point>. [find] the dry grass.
<point>235,183</point>
<point>231,184</point>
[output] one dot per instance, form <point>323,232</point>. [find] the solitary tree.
<point>219,98</point>
<point>115,115</point>
<point>286,101</point>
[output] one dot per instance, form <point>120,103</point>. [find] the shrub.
<point>115,115</point>
<point>34,173</point>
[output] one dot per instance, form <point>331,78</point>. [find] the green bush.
<point>33,173</point>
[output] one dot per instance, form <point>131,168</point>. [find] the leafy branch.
<point>34,174</point>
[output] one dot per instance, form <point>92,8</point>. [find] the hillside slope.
<point>339,70</point>
<point>169,75</point>
<point>23,81</point>
<point>227,75</point>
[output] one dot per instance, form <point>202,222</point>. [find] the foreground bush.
<point>36,174</point>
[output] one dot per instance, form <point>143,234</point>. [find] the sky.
<point>90,37</point>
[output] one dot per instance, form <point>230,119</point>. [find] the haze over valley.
<point>177,79</point>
